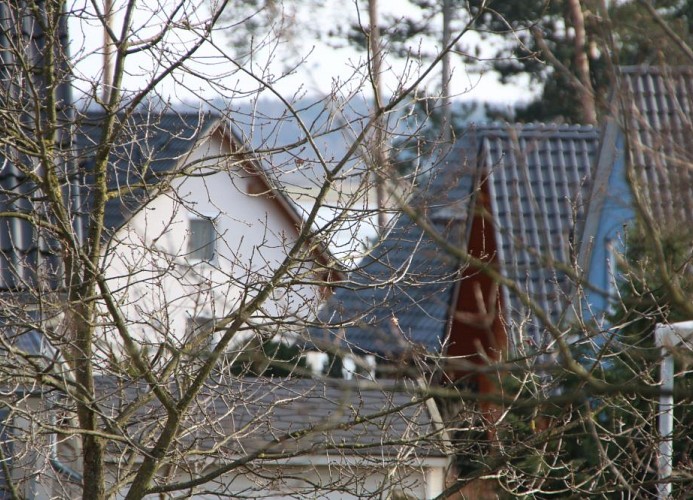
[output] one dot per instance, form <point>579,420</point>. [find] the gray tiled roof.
<point>658,108</point>
<point>539,178</point>
<point>249,414</point>
<point>399,296</point>
<point>150,149</point>
<point>27,251</point>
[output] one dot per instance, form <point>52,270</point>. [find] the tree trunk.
<point>380,167</point>
<point>582,66</point>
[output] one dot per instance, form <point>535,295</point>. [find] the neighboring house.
<point>514,197</point>
<point>647,143</point>
<point>39,465</point>
<point>294,438</point>
<point>194,228</point>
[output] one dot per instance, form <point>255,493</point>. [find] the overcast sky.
<point>322,67</point>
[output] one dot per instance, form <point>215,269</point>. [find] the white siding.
<point>340,479</point>
<point>159,288</point>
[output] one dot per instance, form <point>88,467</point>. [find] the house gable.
<point>645,146</point>
<point>164,178</point>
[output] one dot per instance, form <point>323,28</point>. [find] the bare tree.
<point>174,323</point>
<point>155,270</point>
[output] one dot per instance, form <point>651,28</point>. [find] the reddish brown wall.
<point>478,328</point>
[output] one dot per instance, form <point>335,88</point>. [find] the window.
<point>202,239</point>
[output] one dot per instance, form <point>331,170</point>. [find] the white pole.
<point>666,337</point>
<point>666,425</point>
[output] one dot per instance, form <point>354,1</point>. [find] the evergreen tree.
<point>627,34</point>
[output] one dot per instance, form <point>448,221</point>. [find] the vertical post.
<point>666,425</point>
<point>666,337</point>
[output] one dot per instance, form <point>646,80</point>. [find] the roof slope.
<point>288,416</point>
<point>400,294</point>
<point>539,178</point>
<point>658,114</point>
<point>150,151</point>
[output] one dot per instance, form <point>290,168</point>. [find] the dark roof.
<point>399,296</point>
<point>657,109</point>
<point>539,178</point>
<point>151,149</point>
<point>27,251</point>
<point>287,415</point>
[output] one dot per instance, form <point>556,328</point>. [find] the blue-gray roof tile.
<point>539,177</point>
<point>658,105</point>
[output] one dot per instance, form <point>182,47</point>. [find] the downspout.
<point>58,466</point>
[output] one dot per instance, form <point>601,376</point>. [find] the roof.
<point>657,109</point>
<point>292,416</point>
<point>27,252</point>
<point>539,176</point>
<point>399,296</point>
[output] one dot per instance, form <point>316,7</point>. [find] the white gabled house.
<point>195,228</point>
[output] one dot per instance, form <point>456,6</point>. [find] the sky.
<point>299,65</point>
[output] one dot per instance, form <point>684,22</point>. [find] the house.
<point>186,207</point>
<point>513,197</point>
<point>646,149</point>
<point>290,437</point>
<point>196,226</point>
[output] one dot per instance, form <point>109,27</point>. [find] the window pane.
<point>202,238</point>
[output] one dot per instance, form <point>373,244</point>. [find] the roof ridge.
<point>530,126</point>
<point>642,69</point>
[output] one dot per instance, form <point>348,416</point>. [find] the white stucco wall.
<point>322,477</point>
<point>335,481</point>
<point>159,288</point>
